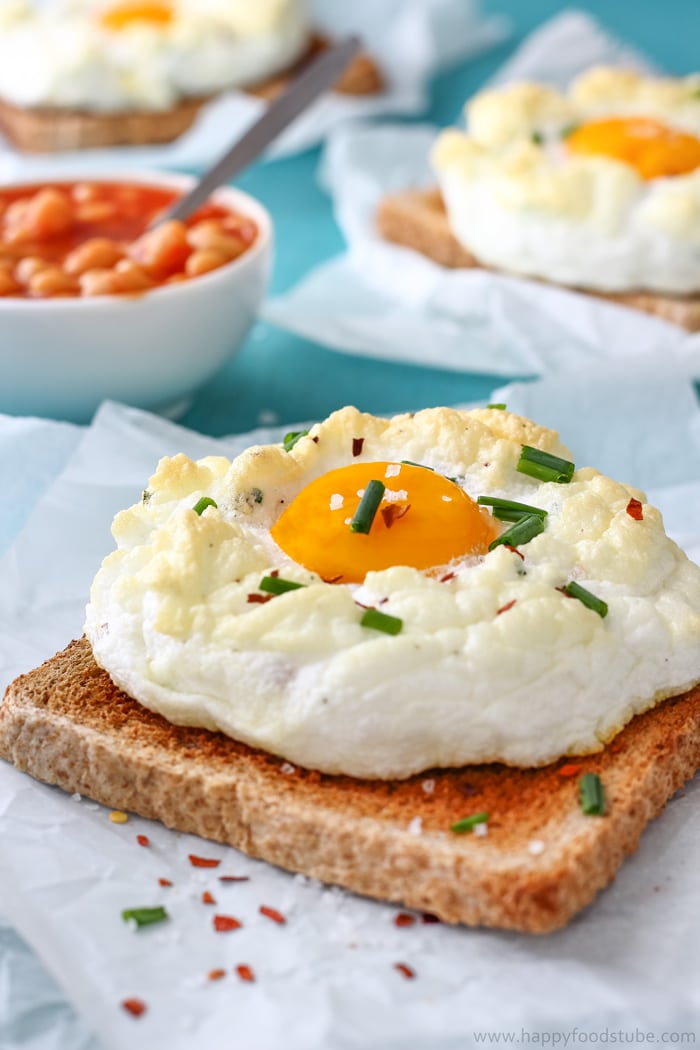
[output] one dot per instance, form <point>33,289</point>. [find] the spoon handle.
<point>315,78</point>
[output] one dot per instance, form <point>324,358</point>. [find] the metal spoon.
<point>320,74</point>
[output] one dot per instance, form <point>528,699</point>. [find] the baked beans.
<point>86,239</point>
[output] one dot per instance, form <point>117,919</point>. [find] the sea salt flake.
<point>535,847</point>
<point>481,830</point>
<point>428,786</point>
<point>287,767</point>
<point>337,501</point>
<point>393,470</point>
<point>395,495</point>
<point>447,499</point>
<point>76,797</point>
<point>416,826</point>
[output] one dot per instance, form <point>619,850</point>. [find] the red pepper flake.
<point>245,973</point>
<point>510,547</point>
<point>394,512</point>
<point>135,1007</point>
<point>216,975</point>
<point>332,579</point>
<point>447,577</point>
<point>207,898</point>
<point>164,882</point>
<point>404,919</point>
<point>634,509</point>
<point>272,913</point>
<point>143,840</point>
<point>274,572</point>
<point>428,919</point>
<point>203,862</point>
<point>226,923</point>
<point>405,970</point>
<point>506,607</point>
<point>315,440</point>
<point>357,444</point>
<point>569,770</point>
<point>234,878</point>
<point>259,599</point>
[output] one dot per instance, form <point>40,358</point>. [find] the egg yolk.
<point>118,16</point>
<point>424,520</point>
<point>653,149</point>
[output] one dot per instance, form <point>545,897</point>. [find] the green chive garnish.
<point>276,585</point>
<point>145,916</point>
<point>368,507</point>
<point>380,621</point>
<point>545,466</point>
<point>575,590</point>
<point>524,530</point>
<point>591,795</point>
<point>202,504</point>
<point>411,463</point>
<point>537,138</point>
<point>460,827</point>
<point>498,404</point>
<point>289,440</point>
<point>508,509</point>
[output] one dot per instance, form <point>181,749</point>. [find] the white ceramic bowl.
<point>62,357</point>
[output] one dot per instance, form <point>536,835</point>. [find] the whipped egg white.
<point>493,662</point>
<point>551,185</point>
<point>114,55</point>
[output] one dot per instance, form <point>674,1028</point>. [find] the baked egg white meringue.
<point>242,598</point>
<point>114,55</point>
<point>597,188</point>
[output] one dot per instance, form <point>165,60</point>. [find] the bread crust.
<point>417,219</point>
<point>67,724</point>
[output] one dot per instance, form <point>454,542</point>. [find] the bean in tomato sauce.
<point>84,239</point>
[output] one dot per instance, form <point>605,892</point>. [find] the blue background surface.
<point>298,380</point>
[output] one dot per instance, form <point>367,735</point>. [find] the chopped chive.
<point>575,590</point>
<point>412,463</point>
<point>545,466</point>
<point>368,507</point>
<point>146,496</point>
<point>498,404</point>
<point>591,795</point>
<point>276,585</point>
<point>508,509</point>
<point>257,495</point>
<point>290,439</point>
<point>380,621</point>
<point>145,916</point>
<point>202,504</point>
<point>537,137</point>
<point>524,530</point>
<point>569,129</point>
<point>460,827</point>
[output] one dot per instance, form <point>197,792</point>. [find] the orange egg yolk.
<point>424,520</point>
<point>120,15</point>
<point>653,149</point>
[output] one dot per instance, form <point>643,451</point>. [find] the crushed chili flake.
<point>405,970</point>
<point>447,577</point>
<point>143,840</point>
<point>135,1007</point>
<point>315,440</point>
<point>569,770</point>
<point>164,882</point>
<point>207,898</point>
<point>634,509</point>
<point>245,973</point>
<point>394,512</point>
<point>225,923</point>
<point>203,862</point>
<point>428,919</point>
<point>404,919</point>
<point>506,607</point>
<point>332,579</point>
<point>357,444</point>
<point>216,975</point>
<point>234,878</point>
<point>274,572</point>
<point>514,550</point>
<point>272,913</point>
<point>260,599</point>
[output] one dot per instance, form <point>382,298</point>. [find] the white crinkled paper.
<point>411,41</point>
<point>385,301</point>
<point>326,980</point>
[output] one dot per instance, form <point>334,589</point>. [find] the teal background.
<point>298,380</point>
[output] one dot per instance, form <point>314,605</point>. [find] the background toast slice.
<point>417,219</point>
<point>542,860</point>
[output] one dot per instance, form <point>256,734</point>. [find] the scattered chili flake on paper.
<point>428,918</point>
<point>404,919</point>
<point>135,1007</point>
<point>207,898</point>
<point>405,970</point>
<point>234,878</point>
<point>272,913</point>
<point>216,975</point>
<point>245,973</point>
<point>164,882</point>
<point>143,840</point>
<point>203,862</point>
<point>225,923</point>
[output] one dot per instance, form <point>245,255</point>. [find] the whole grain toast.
<point>540,863</point>
<point>417,219</point>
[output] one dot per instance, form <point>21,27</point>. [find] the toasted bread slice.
<point>362,76</point>
<point>417,219</point>
<point>541,861</point>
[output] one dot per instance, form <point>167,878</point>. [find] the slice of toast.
<point>417,219</point>
<point>541,861</point>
